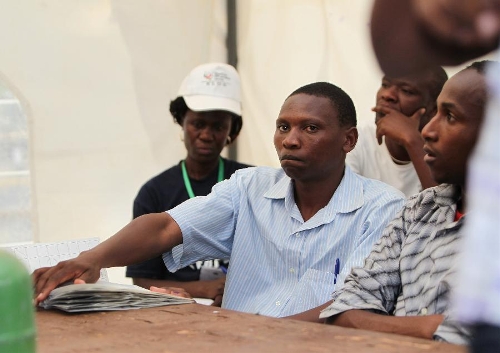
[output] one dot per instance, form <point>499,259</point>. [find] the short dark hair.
<point>338,98</point>
<point>179,108</point>
<point>437,77</point>
<point>480,66</point>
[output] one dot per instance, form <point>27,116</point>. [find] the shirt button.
<point>423,311</point>
<point>297,235</point>
<point>292,270</point>
<point>278,303</point>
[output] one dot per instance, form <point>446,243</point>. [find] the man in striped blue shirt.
<point>292,233</point>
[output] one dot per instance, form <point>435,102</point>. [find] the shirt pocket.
<point>313,289</point>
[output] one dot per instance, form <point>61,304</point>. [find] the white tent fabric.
<point>95,79</point>
<point>284,45</point>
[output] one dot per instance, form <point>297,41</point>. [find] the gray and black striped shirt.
<point>409,270</point>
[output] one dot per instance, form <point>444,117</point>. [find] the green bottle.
<point>17,317</point>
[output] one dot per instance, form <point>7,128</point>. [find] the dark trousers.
<point>485,339</point>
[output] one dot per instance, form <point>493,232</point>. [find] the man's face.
<point>406,95</point>
<point>451,134</point>
<point>205,134</point>
<point>310,142</point>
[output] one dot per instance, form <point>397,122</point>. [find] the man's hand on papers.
<point>78,270</point>
<point>106,296</point>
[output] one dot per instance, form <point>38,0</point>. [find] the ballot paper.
<point>107,296</point>
<point>39,255</point>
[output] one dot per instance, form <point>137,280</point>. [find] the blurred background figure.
<point>208,108</point>
<point>451,32</point>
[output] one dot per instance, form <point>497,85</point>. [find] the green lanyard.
<point>187,183</point>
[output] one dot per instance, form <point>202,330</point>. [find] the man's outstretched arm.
<point>416,326</point>
<point>126,247</point>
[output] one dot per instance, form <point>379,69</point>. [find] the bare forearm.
<point>416,326</point>
<point>311,315</point>
<point>142,239</point>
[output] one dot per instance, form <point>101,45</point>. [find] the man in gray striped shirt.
<point>405,283</point>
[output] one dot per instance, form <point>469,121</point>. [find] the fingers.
<point>217,300</point>
<point>382,109</point>
<point>396,125</point>
<point>38,283</point>
<point>418,114</point>
<point>88,276</point>
<point>37,273</point>
<point>46,279</point>
<point>159,290</point>
<point>179,292</point>
<point>379,134</point>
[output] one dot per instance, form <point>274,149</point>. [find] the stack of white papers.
<point>106,296</point>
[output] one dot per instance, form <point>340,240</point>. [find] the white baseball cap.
<point>213,86</point>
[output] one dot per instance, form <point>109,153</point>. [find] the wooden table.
<point>199,328</point>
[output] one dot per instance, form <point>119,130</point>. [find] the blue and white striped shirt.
<point>281,265</point>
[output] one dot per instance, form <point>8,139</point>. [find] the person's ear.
<point>351,138</point>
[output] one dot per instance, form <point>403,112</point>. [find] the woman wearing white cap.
<point>208,108</point>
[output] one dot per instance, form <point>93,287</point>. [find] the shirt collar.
<point>347,198</point>
<point>447,194</point>
<point>349,194</point>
